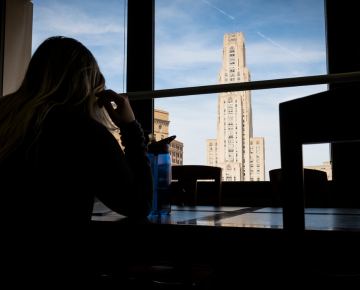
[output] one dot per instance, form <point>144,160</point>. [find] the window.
<point>160,128</point>
<point>162,137</point>
<point>155,136</point>
<point>170,81</point>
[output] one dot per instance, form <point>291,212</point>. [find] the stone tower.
<point>240,155</point>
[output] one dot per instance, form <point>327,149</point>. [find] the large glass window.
<point>282,39</point>
<point>99,25</point>
<point>216,42</point>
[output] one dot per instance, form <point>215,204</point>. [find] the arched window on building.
<point>160,128</point>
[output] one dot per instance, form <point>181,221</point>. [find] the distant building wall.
<point>326,167</point>
<point>161,131</point>
<point>176,153</point>
<point>161,124</point>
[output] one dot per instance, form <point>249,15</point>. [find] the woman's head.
<point>62,72</point>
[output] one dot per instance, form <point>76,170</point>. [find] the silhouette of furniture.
<point>315,184</point>
<point>180,272</point>
<point>187,176</point>
<point>302,122</point>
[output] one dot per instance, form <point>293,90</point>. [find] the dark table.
<point>238,237</point>
<point>320,219</point>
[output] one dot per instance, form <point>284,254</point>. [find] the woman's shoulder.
<point>63,116</point>
<point>69,123</point>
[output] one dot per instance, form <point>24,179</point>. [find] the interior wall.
<point>18,39</point>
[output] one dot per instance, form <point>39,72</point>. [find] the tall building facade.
<point>240,155</point>
<point>161,131</point>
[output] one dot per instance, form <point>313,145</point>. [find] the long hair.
<point>62,72</point>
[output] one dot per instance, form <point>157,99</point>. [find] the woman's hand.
<point>123,114</point>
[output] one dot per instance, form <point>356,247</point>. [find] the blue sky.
<point>282,38</point>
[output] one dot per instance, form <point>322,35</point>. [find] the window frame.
<point>144,95</point>
<point>141,17</point>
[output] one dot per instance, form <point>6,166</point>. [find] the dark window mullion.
<point>140,70</point>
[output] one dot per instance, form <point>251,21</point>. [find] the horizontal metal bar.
<point>247,86</point>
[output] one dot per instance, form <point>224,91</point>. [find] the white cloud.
<point>103,35</point>
<point>265,53</point>
<point>71,21</point>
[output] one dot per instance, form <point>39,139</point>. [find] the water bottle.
<point>160,160</point>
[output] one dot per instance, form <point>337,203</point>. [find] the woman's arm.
<point>131,171</point>
<point>128,188</point>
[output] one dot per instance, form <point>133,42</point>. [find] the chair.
<point>301,123</point>
<point>316,185</point>
<point>187,176</point>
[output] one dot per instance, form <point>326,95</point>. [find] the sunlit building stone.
<point>326,167</point>
<point>161,131</point>
<point>240,155</point>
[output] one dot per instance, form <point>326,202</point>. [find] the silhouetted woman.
<point>56,156</point>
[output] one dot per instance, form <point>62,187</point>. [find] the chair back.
<point>315,184</point>
<point>187,176</point>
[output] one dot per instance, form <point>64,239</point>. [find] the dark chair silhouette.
<point>316,185</point>
<point>187,176</point>
<point>301,123</point>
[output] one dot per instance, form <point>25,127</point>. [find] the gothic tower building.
<point>240,155</point>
